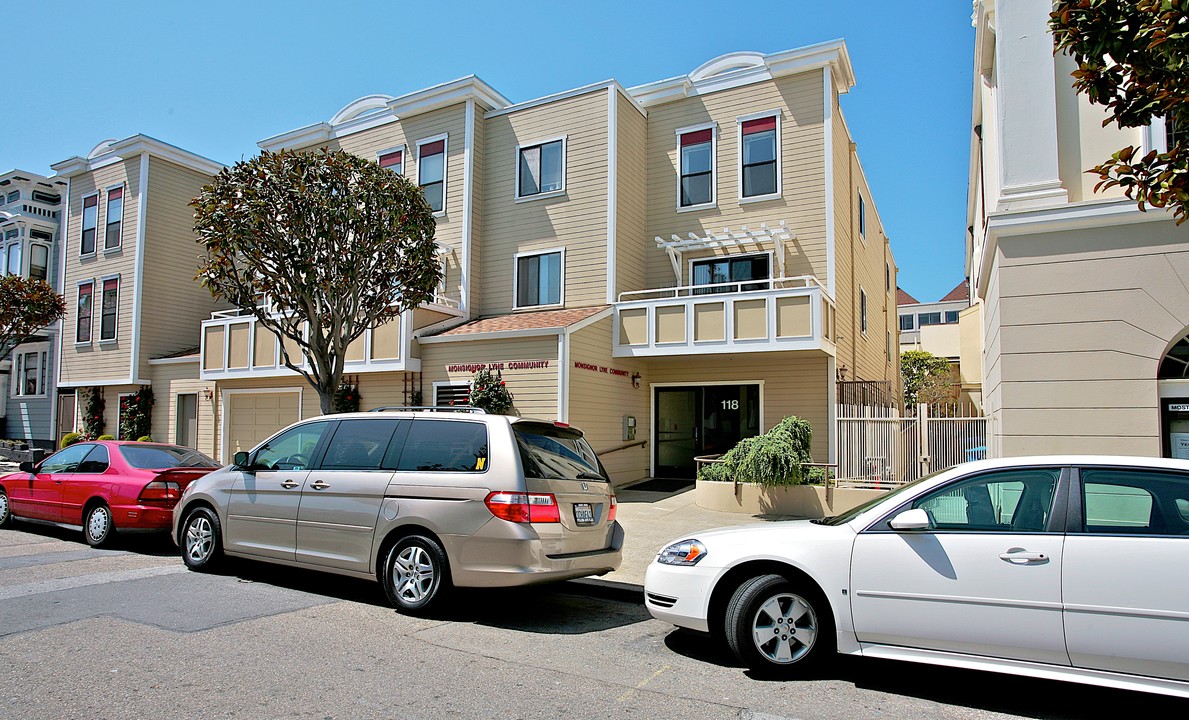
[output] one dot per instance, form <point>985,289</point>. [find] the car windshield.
<point>556,453</point>
<point>153,457</point>
<point>854,512</point>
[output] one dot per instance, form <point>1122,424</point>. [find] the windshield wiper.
<point>591,476</point>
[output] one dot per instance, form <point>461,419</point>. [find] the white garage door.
<point>253,417</point>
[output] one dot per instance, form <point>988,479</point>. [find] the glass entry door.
<point>705,420</point>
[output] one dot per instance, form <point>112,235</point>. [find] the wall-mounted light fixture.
<point>636,380</point>
<point>208,394</point>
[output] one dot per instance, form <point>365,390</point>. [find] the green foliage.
<point>106,437</point>
<point>331,242</point>
<point>70,438</point>
<point>818,475</point>
<point>136,413</point>
<point>922,370</point>
<point>144,438</point>
<point>346,398</point>
<point>1133,59</point>
<point>490,393</point>
<point>775,458</point>
<point>93,406</point>
<point>26,306</point>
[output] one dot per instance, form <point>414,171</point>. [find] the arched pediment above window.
<point>366,105</point>
<point>727,63</point>
<point>102,148</point>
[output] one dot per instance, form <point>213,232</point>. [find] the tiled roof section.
<point>180,353</point>
<point>525,321</point>
<point>962,292</point>
<point>903,298</point>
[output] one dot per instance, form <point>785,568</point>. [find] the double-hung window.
<point>14,196</point>
<point>695,148</point>
<point>115,218</point>
<point>90,222</point>
<point>12,252</point>
<point>30,371</point>
<point>906,322</point>
<point>86,291</point>
<point>39,254</point>
<point>110,309</point>
<point>393,159</point>
<point>929,318</point>
<point>760,158</point>
<point>539,278</point>
<point>541,168</point>
<point>431,171</point>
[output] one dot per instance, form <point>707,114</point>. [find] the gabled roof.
<point>961,292</point>
<point>545,322</point>
<point>903,298</point>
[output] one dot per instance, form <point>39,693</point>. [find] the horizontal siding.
<point>534,391</point>
<point>108,362</point>
<point>631,197</point>
<point>168,382</point>
<point>576,220</point>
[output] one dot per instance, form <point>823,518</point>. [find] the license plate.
<point>583,514</point>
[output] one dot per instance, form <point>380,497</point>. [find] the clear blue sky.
<point>215,77</point>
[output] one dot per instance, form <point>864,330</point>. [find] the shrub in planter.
<point>106,437</point>
<point>70,439</point>
<point>144,438</point>
<point>775,458</point>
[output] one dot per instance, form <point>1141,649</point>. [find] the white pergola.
<point>779,236</point>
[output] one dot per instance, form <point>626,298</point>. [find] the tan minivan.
<point>420,499</point>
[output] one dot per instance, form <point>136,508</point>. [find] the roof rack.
<point>432,408</point>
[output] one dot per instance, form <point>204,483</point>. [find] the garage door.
<point>253,417</point>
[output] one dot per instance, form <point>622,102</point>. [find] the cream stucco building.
<point>1082,297</point>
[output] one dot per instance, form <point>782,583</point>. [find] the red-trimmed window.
<point>431,173</point>
<point>697,167</point>
<point>82,332</point>
<point>759,157</point>
<point>90,222</point>
<point>394,161</point>
<point>115,218</point>
<point>111,305</point>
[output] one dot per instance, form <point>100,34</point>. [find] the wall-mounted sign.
<point>600,369</point>
<point>1178,407</point>
<point>501,366</point>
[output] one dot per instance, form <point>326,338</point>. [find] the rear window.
<point>556,453</point>
<point>146,457</point>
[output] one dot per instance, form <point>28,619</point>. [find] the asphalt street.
<point>128,632</point>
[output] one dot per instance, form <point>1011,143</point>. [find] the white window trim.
<point>82,228</point>
<point>404,158</point>
<point>1154,136</point>
<point>713,128</point>
<point>49,259</point>
<point>739,156</point>
<point>18,358</point>
<point>864,305</point>
<point>445,138</point>
<point>861,218</point>
<point>447,383</point>
<point>123,204</point>
<point>516,279</point>
<point>552,193</point>
<point>177,414</point>
<point>913,317</point>
<point>119,291</point>
<point>78,287</point>
<point>6,244</point>
<point>689,266</point>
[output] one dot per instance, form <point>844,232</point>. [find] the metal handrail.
<point>638,443</point>
<point>431,408</point>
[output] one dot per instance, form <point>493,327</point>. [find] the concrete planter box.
<point>807,501</point>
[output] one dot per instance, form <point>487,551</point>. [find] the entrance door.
<point>1175,414</point>
<point>186,432</point>
<point>66,405</point>
<point>706,420</point>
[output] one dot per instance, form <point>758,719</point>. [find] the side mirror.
<point>915,519</point>
<point>27,466</point>
<point>240,460</point>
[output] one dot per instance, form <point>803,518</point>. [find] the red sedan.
<point>103,487</point>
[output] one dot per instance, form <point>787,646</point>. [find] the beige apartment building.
<point>129,259</point>
<point>670,267</point>
<point>1082,297</point>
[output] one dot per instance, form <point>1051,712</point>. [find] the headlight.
<point>682,552</point>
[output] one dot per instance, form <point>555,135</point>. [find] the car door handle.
<point>1023,556</point>
<point>319,485</point>
<point>289,484</point>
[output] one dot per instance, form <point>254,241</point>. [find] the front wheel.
<point>201,540</point>
<point>5,510</point>
<point>97,525</point>
<point>776,627</point>
<point>416,574</point>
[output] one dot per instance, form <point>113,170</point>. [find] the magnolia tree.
<point>319,246</point>
<point>1133,58</point>
<point>26,306</point>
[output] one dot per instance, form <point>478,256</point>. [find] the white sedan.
<point>1070,568</point>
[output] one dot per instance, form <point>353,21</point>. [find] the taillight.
<point>523,507</point>
<point>161,491</point>
<point>612,509</point>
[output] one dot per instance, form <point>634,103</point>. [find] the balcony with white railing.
<point>771,315</point>
<point>236,345</point>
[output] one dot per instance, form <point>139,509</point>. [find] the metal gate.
<point>877,447</point>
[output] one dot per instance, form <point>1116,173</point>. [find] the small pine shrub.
<point>70,438</point>
<point>775,458</point>
<point>144,438</point>
<point>106,437</point>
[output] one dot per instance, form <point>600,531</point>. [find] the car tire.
<point>201,540</point>
<point>798,618</point>
<point>416,574</point>
<point>98,527</point>
<point>5,509</point>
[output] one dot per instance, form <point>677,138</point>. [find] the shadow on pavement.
<point>993,692</point>
<point>157,544</point>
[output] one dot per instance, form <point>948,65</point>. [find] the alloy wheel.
<point>200,539</point>
<point>415,573</point>
<point>784,628</point>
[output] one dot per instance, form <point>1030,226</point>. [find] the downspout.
<point>850,188</point>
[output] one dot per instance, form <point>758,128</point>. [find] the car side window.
<point>358,445</point>
<point>65,460</point>
<point>445,446</point>
<point>96,461</point>
<point>292,449</point>
<point>1008,501</point>
<point>1134,502</point>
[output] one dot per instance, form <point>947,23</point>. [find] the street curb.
<point>606,589</point>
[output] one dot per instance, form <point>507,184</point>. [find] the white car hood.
<point>778,540</point>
